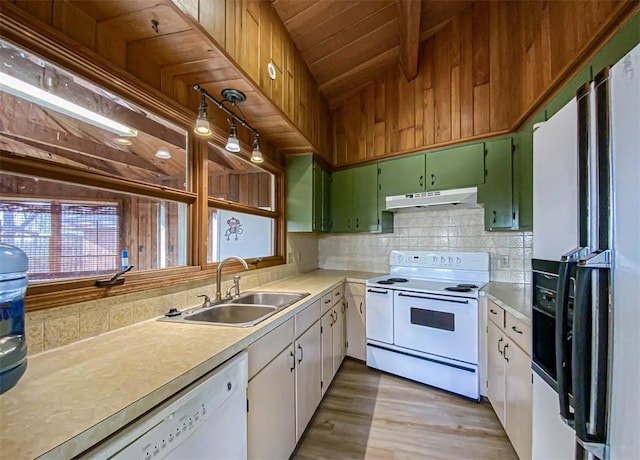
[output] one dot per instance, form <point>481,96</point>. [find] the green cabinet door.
<point>340,201</point>
<point>365,199</point>
<point>299,193</point>
<point>400,176</point>
<point>318,196</point>
<point>326,216</point>
<point>455,168</point>
<point>497,193</point>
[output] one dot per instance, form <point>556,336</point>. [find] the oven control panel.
<point>438,259</point>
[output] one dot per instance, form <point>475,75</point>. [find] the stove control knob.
<point>442,260</point>
<point>400,257</point>
<point>434,260</point>
<point>458,260</point>
<point>450,260</point>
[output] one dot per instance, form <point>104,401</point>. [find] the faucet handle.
<point>207,300</point>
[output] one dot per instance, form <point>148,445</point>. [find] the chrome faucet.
<point>219,275</point>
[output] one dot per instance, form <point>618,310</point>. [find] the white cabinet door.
<point>326,323</point>
<point>495,373</point>
<point>356,334</point>
<point>271,417</point>
<point>338,335</point>
<point>308,376</point>
<point>518,399</point>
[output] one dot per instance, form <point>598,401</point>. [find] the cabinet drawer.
<point>338,294</point>
<point>519,332</point>
<point>495,313</point>
<point>307,317</point>
<point>327,302</point>
<point>263,350</point>
<point>355,289</point>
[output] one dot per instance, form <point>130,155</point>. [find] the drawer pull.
<point>515,329</point>
<point>493,312</point>
<point>327,301</point>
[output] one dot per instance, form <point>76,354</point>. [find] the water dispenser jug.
<point>13,286</point>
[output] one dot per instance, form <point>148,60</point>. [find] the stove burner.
<point>385,282</point>
<point>470,286</point>
<point>398,280</point>
<point>457,289</point>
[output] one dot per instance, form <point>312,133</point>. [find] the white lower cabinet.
<point>271,414</point>
<point>509,377</point>
<point>327,350</point>
<point>286,387</point>
<point>356,333</point>
<point>308,376</point>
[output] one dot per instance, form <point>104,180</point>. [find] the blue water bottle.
<point>13,343</point>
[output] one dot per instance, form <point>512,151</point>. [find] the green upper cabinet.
<point>307,194</point>
<point>400,176</point>
<point>340,202</point>
<point>455,168</point>
<point>497,192</point>
<point>365,198</point>
<point>354,200</point>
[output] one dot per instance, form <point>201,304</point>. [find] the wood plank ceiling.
<point>346,44</point>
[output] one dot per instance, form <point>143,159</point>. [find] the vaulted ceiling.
<point>345,44</point>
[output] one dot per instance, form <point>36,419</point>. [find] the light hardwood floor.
<point>370,415</point>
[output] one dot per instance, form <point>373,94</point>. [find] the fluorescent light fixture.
<point>163,154</point>
<point>233,145</point>
<point>256,154</point>
<point>40,96</point>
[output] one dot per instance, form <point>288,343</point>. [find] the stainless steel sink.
<point>247,310</point>
<point>276,299</point>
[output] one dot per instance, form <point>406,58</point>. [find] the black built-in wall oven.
<point>543,320</point>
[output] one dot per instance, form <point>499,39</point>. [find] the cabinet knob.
<point>421,181</point>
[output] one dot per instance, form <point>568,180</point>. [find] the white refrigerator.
<point>587,222</point>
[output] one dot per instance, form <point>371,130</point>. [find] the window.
<point>87,175</point>
<point>63,239</point>
<point>247,230</point>
<point>68,238</point>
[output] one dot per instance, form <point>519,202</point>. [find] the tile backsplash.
<point>445,230</point>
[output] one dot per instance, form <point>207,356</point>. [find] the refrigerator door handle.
<point>590,428</point>
<point>563,348</point>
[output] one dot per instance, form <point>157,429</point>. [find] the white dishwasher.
<point>207,420</point>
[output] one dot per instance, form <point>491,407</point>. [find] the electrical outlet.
<point>504,261</point>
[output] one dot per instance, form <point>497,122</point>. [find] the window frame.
<point>61,51</point>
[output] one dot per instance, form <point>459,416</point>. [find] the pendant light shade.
<point>233,145</point>
<point>256,154</point>
<point>203,126</point>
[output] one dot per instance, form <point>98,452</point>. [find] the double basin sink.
<point>244,311</point>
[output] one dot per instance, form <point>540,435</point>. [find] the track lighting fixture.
<point>233,97</point>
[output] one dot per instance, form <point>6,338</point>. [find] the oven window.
<point>434,319</point>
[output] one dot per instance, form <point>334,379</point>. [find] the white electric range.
<point>422,318</point>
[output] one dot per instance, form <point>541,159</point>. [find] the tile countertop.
<point>74,396</point>
<point>514,298</point>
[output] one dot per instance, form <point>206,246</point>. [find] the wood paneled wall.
<point>489,67</point>
<point>251,32</point>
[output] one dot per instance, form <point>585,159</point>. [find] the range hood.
<point>441,199</point>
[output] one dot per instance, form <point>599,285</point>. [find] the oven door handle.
<point>432,298</point>
<point>378,292</point>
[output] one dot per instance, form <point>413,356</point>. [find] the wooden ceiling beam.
<point>409,31</point>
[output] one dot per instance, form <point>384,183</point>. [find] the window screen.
<point>63,239</point>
